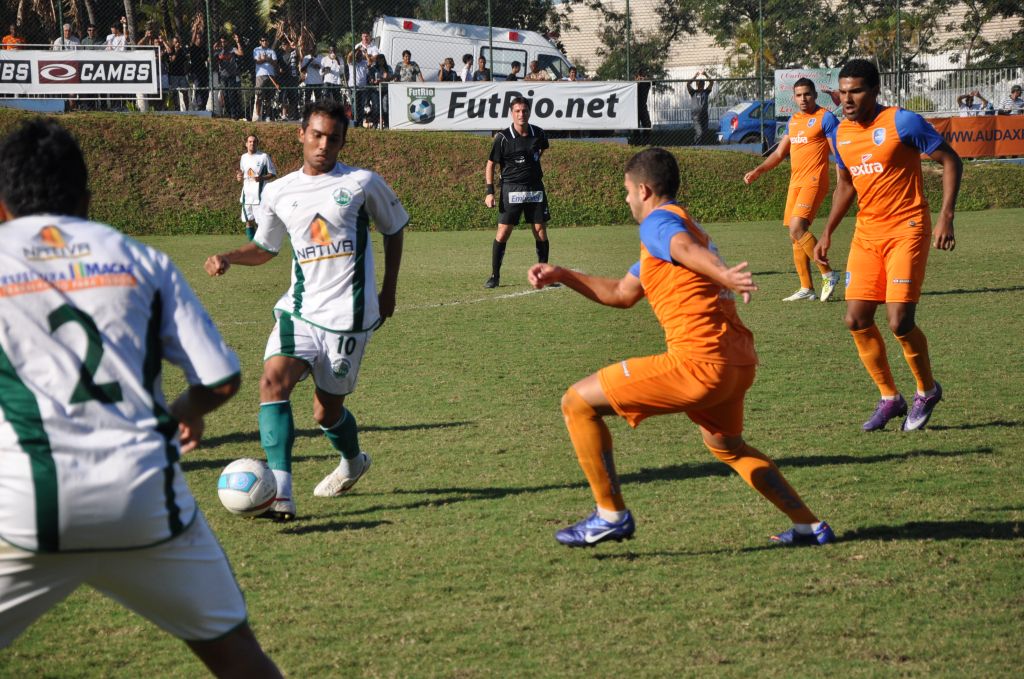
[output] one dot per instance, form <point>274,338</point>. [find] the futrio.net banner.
<point>79,71</point>
<point>983,136</point>
<point>487,105</point>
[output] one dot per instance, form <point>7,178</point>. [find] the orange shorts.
<point>803,202</point>
<point>887,270</point>
<point>709,393</point>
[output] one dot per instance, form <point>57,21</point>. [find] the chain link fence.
<point>263,59</point>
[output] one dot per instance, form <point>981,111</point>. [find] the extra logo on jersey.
<point>52,243</point>
<point>878,136</point>
<point>421,105</point>
<point>800,138</point>
<point>866,167</point>
<point>342,196</point>
<point>322,246</point>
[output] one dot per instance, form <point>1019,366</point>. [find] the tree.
<point>974,50</point>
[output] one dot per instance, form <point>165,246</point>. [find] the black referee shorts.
<point>521,201</point>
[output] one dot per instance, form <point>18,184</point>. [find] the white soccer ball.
<point>246,487</point>
<point>421,111</point>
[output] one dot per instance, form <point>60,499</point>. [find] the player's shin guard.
<point>915,350</point>
<point>762,475</point>
<point>497,255</point>
<point>593,444</point>
<point>277,434</point>
<point>543,248</point>
<point>871,349</point>
<point>803,268</point>
<point>344,435</point>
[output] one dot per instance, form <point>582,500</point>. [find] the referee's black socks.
<point>543,247</point>
<point>497,255</point>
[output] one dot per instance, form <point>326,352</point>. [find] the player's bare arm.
<point>780,153</point>
<point>943,237</point>
<point>194,403</point>
<point>249,254</point>
<point>489,181</point>
<point>392,262</point>
<point>695,257</point>
<point>614,292</point>
<point>842,199</point>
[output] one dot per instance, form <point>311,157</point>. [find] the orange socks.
<point>802,264</point>
<point>593,444</point>
<point>872,354</point>
<point>915,350</point>
<point>807,243</point>
<point>762,475</point>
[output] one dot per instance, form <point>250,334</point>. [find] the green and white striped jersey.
<point>88,452</point>
<point>254,167</point>
<point>327,219</point>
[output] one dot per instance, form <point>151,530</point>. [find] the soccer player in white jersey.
<point>255,169</point>
<point>92,489</point>
<point>327,316</point>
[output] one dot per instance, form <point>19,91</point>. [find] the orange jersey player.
<point>806,143</point>
<point>705,372</point>
<point>878,158</point>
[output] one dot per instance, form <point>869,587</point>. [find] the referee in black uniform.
<point>517,150</point>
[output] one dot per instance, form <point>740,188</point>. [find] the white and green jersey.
<point>255,168</point>
<point>88,451</point>
<point>327,219</point>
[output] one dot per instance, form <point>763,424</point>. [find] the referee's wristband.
<point>490,189</point>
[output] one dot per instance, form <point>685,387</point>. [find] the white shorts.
<point>334,358</point>
<point>184,586</point>
<point>249,213</point>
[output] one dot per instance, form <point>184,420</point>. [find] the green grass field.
<point>441,562</point>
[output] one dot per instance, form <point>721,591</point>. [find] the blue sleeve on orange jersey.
<point>829,123</point>
<point>635,269</point>
<point>657,230</point>
<point>915,131</point>
<point>831,134</point>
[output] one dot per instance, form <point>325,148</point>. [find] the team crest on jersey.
<point>342,196</point>
<point>810,123</point>
<point>340,367</point>
<point>52,243</point>
<point>878,136</point>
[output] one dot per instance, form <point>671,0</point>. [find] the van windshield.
<point>556,67</point>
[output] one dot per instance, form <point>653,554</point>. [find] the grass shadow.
<point>254,435</point>
<point>976,425</point>
<point>333,527</point>
<point>965,291</point>
<point>939,530</point>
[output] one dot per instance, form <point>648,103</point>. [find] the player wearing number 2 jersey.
<point>705,372</point>
<point>878,160</point>
<point>91,491</point>
<point>331,309</point>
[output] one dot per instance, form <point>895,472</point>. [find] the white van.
<point>430,42</point>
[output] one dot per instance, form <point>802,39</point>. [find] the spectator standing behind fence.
<point>12,39</point>
<point>66,41</point>
<point>699,90</point>
<point>408,71</point>
<point>481,73</point>
<point>310,69</point>
<point>90,39</point>
<point>177,70</point>
<point>513,73</point>
<point>1013,103</point>
<point>266,68</point>
<point>535,72</point>
<point>229,72</point>
<point>198,71</point>
<point>332,70</point>
<point>116,39</point>
<point>466,74</point>
<point>367,46</point>
<point>973,104</point>
<point>358,78</point>
<point>380,75</point>
<point>572,76</point>
<point>288,78</point>
<point>446,73</point>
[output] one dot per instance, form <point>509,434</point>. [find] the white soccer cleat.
<point>342,478</point>
<point>801,294</point>
<point>282,509</point>
<point>829,282</point>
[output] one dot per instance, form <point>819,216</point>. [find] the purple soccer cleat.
<point>885,411</point>
<point>921,411</point>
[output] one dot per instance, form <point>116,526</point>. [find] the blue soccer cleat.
<point>594,529</point>
<point>822,535</point>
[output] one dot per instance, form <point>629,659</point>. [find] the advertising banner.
<point>80,72</point>
<point>983,136</point>
<point>824,79</point>
<point>486,105</point>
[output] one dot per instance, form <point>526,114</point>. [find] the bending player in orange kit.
<point>878,161</point>
<point>705,372</point>
<point>806,144</point>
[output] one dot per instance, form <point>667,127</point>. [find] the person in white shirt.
<point>66,41</point>
<point>332,70</point>
<point>89,447</point>
<point>116,40</point>
<point>266,68</point>
<point>255,169</point>
<point>312,76</point>
<point>332,308</point>
<point>358,79</point>
<point>367,46</point>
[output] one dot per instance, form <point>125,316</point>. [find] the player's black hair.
<point>861,68</point>
<point>658,169</point>
<point>805,82</point>
<point>329,108</point>
<point>519,100</point>
<point>42,170</point>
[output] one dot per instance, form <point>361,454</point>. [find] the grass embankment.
<point>154,174</point>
